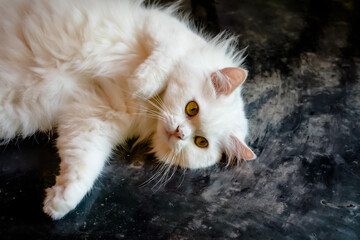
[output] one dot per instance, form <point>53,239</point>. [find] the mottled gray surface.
<point>303,102</point>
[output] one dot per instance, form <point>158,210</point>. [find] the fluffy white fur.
<point>103,71</point>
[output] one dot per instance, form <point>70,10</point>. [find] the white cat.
<point>101,72</point>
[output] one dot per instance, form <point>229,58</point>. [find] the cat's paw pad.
<point>60,200</point>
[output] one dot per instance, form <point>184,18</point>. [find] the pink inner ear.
<point>246,152</point>
<point>242,150</point>
<point>234,78</point>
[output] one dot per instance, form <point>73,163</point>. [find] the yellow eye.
<point>192,109</point>
<point>201,142</point>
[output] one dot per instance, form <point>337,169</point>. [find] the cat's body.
<point>104,71</point>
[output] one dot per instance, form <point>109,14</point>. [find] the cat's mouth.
<point>171,139</point>
<point>168,134</point>
<point>176,134</point>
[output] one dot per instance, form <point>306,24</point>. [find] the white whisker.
<point>173,172</point>
<point>162,104</point>
<point>159,169</point>
<point>154,105</point>
<point>165,172</point>
<point>165,178</point>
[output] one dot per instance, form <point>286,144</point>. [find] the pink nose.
<point>178,133</point>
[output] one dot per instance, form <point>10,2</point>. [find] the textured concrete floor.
<point>303,102</point>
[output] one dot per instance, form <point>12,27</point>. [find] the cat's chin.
<point>168,156</point>
<point>174,144</point>
<point>167,149</point>
<point>170,150</point>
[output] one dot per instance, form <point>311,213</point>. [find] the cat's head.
<point>202,117</point>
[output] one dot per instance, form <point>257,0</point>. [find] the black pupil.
<point>201,142</point>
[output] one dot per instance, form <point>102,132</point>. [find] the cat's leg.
<point>150,77</point>
<point>84,145</point>
<point>166,44</point>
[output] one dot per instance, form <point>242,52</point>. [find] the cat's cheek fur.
<point>202,157</point>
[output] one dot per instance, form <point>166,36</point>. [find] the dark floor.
<point>303,102</point>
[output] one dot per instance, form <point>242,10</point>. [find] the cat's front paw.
<point>147,82</point>
<point>60,200</point>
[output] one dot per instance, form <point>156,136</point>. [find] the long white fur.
<point>103,71</point>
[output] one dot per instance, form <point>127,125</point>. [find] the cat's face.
<point>197,122</point>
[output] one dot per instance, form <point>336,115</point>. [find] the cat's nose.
<point>179,133</point>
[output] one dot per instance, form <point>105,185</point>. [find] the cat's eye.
<point>192,109</point>
<point>201,142</point>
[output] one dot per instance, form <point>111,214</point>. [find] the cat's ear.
<point>239,149</point>
<point>226,80</point>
